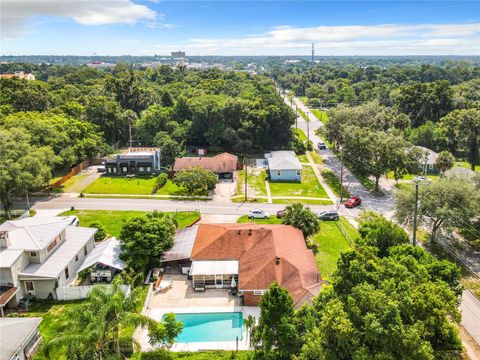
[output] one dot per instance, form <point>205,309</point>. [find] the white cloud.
<point>383,39</point>
<point>16,14</point>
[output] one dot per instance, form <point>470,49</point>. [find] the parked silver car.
<point>258,214</point>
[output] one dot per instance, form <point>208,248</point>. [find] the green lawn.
<point>309,187</point>
<point>70,183</point>
<point>301,135</point>
<point>121,185</point>
<point>170,189</point>
<point>272,220</point>
<point>200,355</point>
<point>255,181</point>
<point>113,219</point>
<point>317,158</point>
<point>320,114</point>
<point>331,243</point>
<point>310,202</point>
<point>466,165</point>
<point>302,158</point>
<point>334,183</point>
<point>54,319</point>
<point>302,114</point>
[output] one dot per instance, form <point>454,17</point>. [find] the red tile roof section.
<point>257,248</point>
<point>220,163</point>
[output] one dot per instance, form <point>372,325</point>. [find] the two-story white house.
<point>40,254</point>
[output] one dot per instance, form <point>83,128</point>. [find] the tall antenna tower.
<point>313,50</point>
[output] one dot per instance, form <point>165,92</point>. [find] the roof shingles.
<point>266,253</point>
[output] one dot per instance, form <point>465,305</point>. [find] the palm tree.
<point>92,330</point>
<point>249,325</point>
<point>445,161</point>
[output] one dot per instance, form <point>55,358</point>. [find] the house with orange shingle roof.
<point>249,257</point>
<point>224,164</point>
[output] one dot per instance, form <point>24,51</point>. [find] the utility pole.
<point>417,180</point>
<point>28,202</point>
<point>415,215</point>
<point>313,51</point>
<point>308,129</point>
<point>130,132</point>
<point>246,178</point>
<point>341,175</point>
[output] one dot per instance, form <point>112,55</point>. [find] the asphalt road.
<point>470,308</point>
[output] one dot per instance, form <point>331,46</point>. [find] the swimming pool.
<point>205,327</point>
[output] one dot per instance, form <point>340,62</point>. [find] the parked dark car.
<point>353,202</point>
<point>321,145</point>
<point>329,215</point>
<point>101,169</point>
<point>280,214</point>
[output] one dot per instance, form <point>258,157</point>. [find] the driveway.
<point>224,190</point>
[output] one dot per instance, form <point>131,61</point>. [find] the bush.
<point>297,145</point>
<point>160,182</point>
<point>101,234</point>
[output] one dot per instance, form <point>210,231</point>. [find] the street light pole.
<point>28,202</point>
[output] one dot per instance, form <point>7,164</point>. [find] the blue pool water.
<point>206,327</point>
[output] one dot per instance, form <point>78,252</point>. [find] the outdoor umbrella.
<point>234,283</point>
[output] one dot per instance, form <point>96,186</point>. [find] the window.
<point>85,250</point>
<point>67,274</point>
<point>279,172</point>
<point>140,168</point>
<point>298,172</point>
<point>52,244</point>
<point>76,258</point>
<point>33,254</point>
<point>258,292</point>
<point>124,169</point>
<point>29,286</point>
<point>109,170</point>
<point>114,170</point>
<point>148,168</point>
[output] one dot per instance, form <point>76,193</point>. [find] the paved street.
<point>382,204</point>
<point>470,308</point>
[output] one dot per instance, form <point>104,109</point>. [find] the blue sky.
<point>147,27</point>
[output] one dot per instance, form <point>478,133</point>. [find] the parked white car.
<point>258,214</point>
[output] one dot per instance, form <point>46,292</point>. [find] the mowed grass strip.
<point>255,182</point>
<point>271,220</point>
<point>320,115</point>
<point>121,185</point>
<point>113,220</point>
<point>331,243</point>
<point>309,187</point>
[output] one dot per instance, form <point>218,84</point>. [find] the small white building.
<point>284,166</point>
<point>40,254</point>
<point>19,338</point>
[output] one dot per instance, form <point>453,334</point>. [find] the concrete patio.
<point>182,299</point>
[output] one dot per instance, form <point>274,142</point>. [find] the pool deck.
<point>182,299</point>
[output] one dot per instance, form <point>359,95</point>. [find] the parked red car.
<point>353,202</point>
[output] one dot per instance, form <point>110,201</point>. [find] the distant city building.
<point>178,54</point>
<point>18,74</point>
<point>101,65</point>
<point>137,160</point>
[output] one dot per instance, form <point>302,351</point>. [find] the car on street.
<point>321,145</point>
<point>329,215</point>
<point>258,214</point>
<point>280,214</point>
<point>354,201</point>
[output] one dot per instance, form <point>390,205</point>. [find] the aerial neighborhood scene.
<point>199,180</point>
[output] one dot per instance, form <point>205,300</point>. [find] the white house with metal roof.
<point>39,254</point>
<point>284,166</point>
<point>19,337</point>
